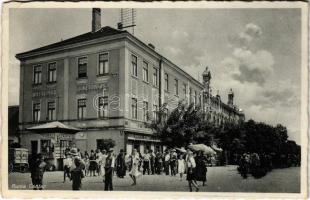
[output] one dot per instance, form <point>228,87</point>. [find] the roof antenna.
<point>127,19</point>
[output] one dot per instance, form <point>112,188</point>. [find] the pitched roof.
<point>103,32</point>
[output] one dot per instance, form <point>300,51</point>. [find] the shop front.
<point>54,140</point>
<point>142,143</point>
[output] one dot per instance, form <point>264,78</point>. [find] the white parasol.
<point>182,150</point>
<point>202,147</point>
<point>216,148</point>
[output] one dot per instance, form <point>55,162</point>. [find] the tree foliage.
<point>187,124</point>
<point>184,125</point>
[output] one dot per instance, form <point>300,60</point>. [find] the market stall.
<point>56,138</point>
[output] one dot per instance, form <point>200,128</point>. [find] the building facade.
<point>109,84</point>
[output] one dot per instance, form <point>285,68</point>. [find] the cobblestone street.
<point>220,179</point>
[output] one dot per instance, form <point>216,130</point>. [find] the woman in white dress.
<point>103,161</point>
<point>191,165</point>
<point>181,166</point>
<point>134,172</point>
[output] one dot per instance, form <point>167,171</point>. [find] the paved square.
<point>219,179</point>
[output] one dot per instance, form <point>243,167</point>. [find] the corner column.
<point>66,89</point>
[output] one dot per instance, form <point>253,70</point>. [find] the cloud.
<point>172,50</point>
<point>253,66</point>
<point>181,45</point>
<point>250,32</point>
<point>253,30</point>
<point>178,34</point>
<point>283,95</point>
<point>249,70</point>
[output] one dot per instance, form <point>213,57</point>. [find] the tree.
<point>185,124</point>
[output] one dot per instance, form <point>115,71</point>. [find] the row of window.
<point>102,109</point>
<point>145,77</point>
<point>145,70</point>
<point>81,107</point>
<point>145,110</point>
<point>103,69</point>
<point>51,73</point>
<point>51,111</point>
<point>103,65</point>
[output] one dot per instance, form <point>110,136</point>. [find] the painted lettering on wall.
<point>90,87</point>
<point>44,93</point>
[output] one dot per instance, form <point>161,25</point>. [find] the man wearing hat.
<point>166,162</point>
<point>75,155</point>
<point>121,164</point>
<point>77,174</point>
<point>109,167</point>
<point>172,162</point>
<point>146,163</point>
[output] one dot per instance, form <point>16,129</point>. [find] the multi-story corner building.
<point>108,84</point>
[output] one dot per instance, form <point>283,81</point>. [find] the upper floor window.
<point>82,67</point>
<point>134,65</point>
<point>51,110</point>
<point>155,77</point>
<point>36,112</point>
<point>184,89</point>
<point>145,110</point>
<point>52,72</point>
<point>155,112</point>
<point>166,114</point>
<point>166,82</point>
<point>103,68</point>
<point>190,95</point>
<point>103,107</point>
<point>81,108</point>
<point>176,87</point>
<point>134,108</point>
<point>145,72</point>
<point>37,74</point>
<point>195,97</point>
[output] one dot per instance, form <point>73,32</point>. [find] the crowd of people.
<point>254,164</point>
<point>105,163</point>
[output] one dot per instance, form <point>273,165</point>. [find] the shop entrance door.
<point>34,147</point>
<point>136,146</point>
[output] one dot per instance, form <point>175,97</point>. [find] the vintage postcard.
<point>154,100</point>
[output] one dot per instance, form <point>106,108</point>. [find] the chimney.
<point>96,19</point>
<point>152,46</point>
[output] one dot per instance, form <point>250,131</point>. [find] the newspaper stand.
<point>18,159</point>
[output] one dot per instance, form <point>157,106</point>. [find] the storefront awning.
<point>54,127</point>
<point>142,139</point>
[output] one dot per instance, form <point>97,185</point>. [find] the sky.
<point>256,52</point>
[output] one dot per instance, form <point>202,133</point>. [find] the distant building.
<point>109,84</point>
<point>217,111</point>
<point>13,131</point>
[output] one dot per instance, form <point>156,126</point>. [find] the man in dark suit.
<point>109,167</point>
